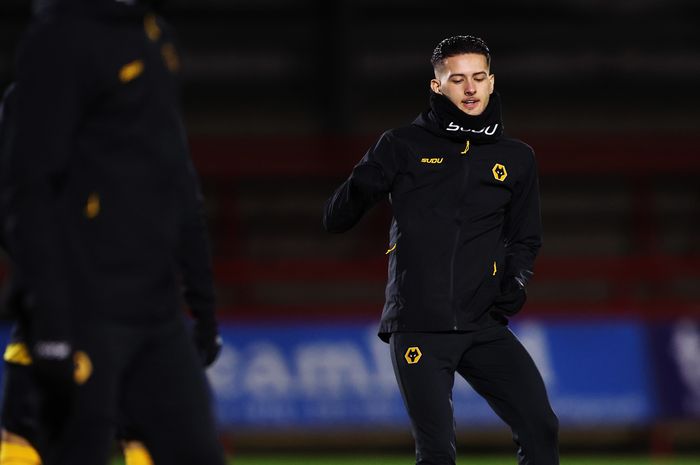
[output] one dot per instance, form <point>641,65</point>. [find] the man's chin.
<point>475,112</point>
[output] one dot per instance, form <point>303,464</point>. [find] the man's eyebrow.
<point>464,75</point>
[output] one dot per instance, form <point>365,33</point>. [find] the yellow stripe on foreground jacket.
<point>18,354</point>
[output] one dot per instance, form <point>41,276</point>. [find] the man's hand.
<point>513,295</point>
<point>53,365</point>
<point>510,302</point>
<point>207,341</point>
<point>54,369</point>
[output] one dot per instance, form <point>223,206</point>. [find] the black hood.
<point>93,8</point>
<point>446,120</point>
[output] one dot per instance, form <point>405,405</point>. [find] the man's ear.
<point>492,83</point>
<point>435,86</point>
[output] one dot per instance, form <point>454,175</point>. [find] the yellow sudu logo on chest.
<point>432,161</point>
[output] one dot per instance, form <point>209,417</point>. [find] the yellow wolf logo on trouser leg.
<point>412,355</point>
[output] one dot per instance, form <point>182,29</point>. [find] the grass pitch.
<point>463,460</point>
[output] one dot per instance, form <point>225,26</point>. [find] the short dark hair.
<point>458,45</point>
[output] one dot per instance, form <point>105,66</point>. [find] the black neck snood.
<point>446,120</point>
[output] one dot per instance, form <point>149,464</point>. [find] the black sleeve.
<point>195,253</point>
<point>51,95</point>
<point>6,136</point>
<point>6,128</point>
<point>370,181</point>
<point>523,226</point>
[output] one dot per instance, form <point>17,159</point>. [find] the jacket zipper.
<point>452,278</point>
<point>458,234</point>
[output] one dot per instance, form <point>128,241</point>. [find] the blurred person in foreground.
<point>20,412</point>
<point>463,240</point>
<point>104,220</point>
<point>21,434</point>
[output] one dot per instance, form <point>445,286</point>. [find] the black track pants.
<point>149,379</point>
<point>497,366</point>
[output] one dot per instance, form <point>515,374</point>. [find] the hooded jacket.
<point>10,294</point>
<point>466,216</point>
<point>6,136</point>
<point>106,209</point>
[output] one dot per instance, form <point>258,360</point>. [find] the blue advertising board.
<point>675,355</point>
<point>314,376</point>
<point>341,375</point>
<point>595,372</point>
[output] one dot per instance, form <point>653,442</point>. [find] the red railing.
<point>634,285</point>
<point>623,277</point>
<point>632,155</point>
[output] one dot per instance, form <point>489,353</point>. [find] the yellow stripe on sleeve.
<point>18,354</point>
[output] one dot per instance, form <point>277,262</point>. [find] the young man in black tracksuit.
<point>463,240</point>
<point>104,219</point>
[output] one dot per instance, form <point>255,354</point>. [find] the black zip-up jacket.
<point>106,209</point>
<point>6,136</point>
<point>9,295</point>
<point>466,216</point>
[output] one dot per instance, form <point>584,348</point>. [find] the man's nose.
<point>469,89</point>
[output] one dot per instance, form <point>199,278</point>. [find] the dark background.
<point>282,97</point>
<point>358,67</point>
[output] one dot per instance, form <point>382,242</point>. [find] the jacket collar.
<point>444,119</point>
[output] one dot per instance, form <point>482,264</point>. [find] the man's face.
<point>466,81</point>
